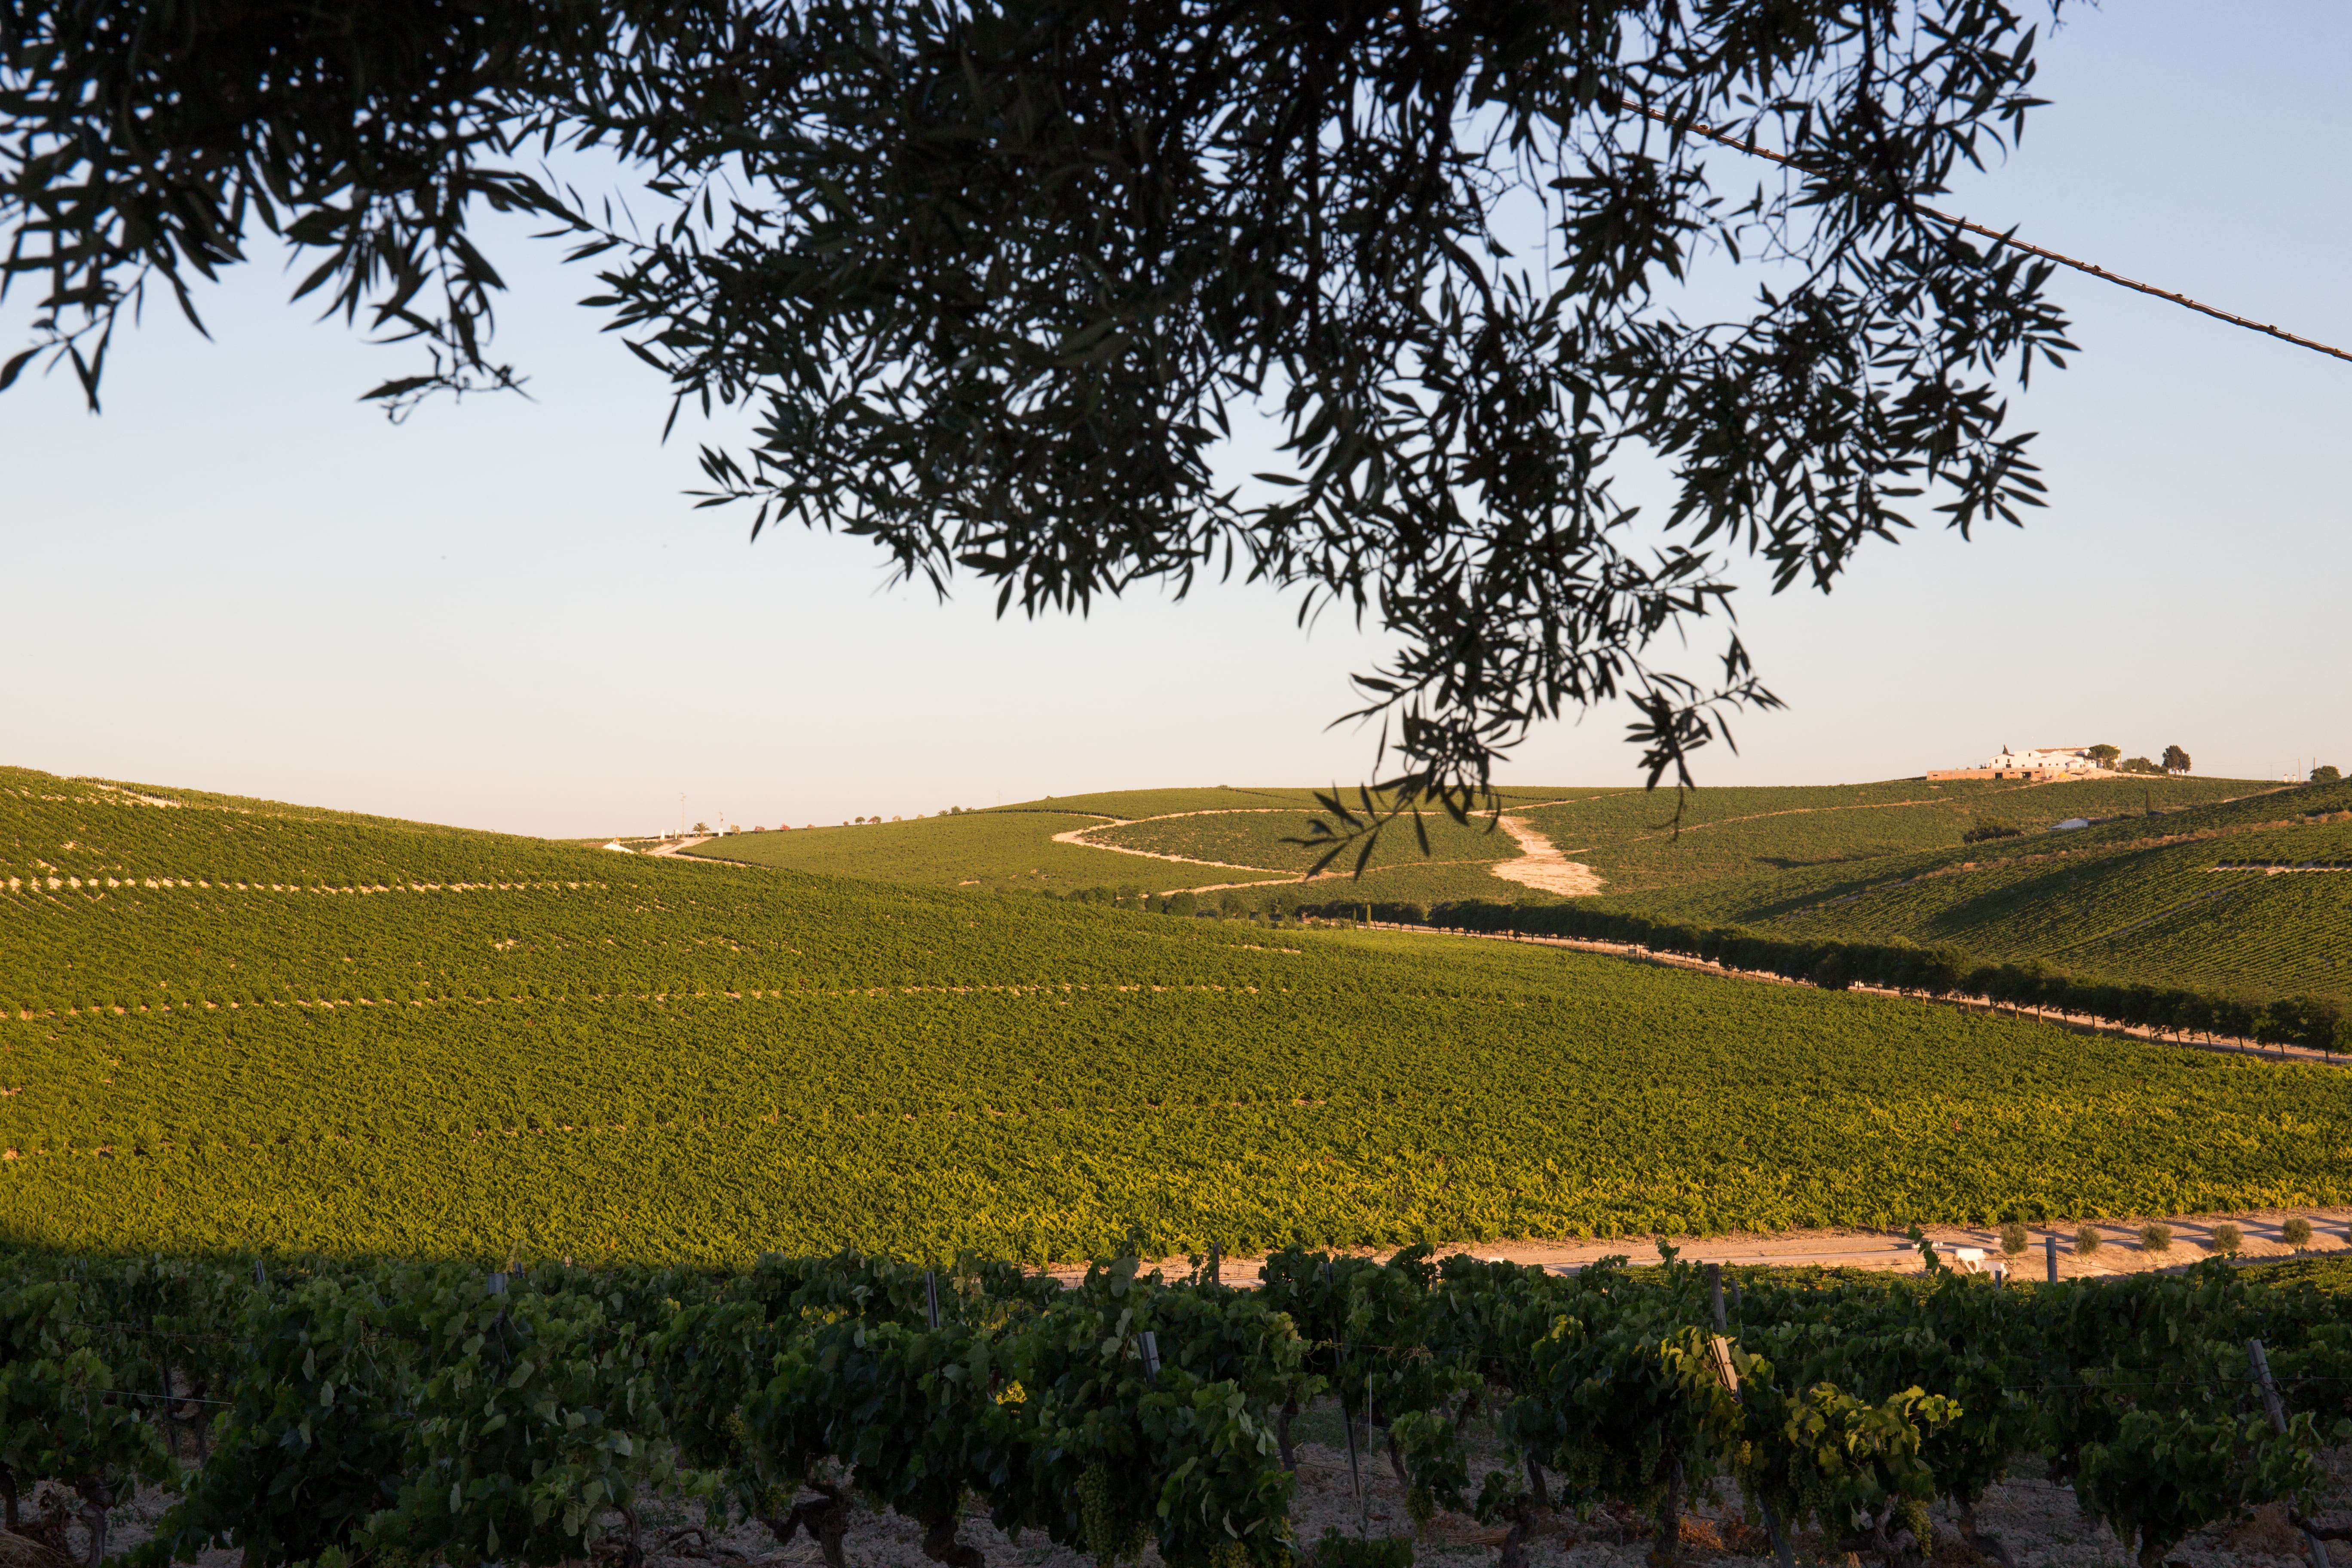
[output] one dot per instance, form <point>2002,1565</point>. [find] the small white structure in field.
<point>2071,823</point>
<point>624,848</point>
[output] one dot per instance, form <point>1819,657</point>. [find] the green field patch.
<point>1285,840</point>
<point>1136,804</point>
<point>997,851</point>
<point>1453,1092</point>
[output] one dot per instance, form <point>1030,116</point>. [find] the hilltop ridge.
<point>1982,865</point>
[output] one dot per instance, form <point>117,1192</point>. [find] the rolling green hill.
<point>235,1024</point>
<point>2154,900</point>
<point>1189,838</point>
<point>2132,897</point>
<point>999,851</point>
<point>1636,841</point>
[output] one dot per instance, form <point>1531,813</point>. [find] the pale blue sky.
<point>504,615</point>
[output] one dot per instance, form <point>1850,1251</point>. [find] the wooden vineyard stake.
<point>931,1296</point>
<point>1730,1375</point>
<point>260,1280</point>
<point>1348,1421</point>
<point>1715,1289</point>
<point>1214,1263</point>
<point>2050,1242</point>
<point>163,1370</point>
<point>1149,1343</point>
<point>1347,1425</point>
<point>495,1285</point>
<point>2277,1413</point>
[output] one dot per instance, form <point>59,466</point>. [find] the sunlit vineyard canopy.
<point>351,1035</point>
<point>998,279</point>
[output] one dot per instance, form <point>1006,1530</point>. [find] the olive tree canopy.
<point>997,275</point>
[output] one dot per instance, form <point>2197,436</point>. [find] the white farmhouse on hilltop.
<point>2042,764</point>
<point>2044,760</point>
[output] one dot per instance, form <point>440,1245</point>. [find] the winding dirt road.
<point>1539,865</point>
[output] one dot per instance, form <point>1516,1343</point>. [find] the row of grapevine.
<point>2160,900</point>
<point>1380,1091</point>
<point>658,928</point>
<point>430,1412</point>
<point>677,1063</point>
<point>424,1412</point>
<point>2319,1021</point>
<point>68,828</point>
<point>1848,1407</point>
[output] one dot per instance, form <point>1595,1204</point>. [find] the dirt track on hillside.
<point>1543,868</point>
<point>1538,866</point>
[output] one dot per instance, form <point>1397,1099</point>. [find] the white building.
<point>2044,760</point>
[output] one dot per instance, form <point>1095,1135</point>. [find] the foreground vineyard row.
<point>530,1417</point>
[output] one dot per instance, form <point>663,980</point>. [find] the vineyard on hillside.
<point>1282,840</point>
<point>1133,803</point>
<point>1635,843</point>
<point>994,851</point>
<point>2147,899</point>
<point>1237,834</point>
<point>240,1028</point>
<point>1809,836</point>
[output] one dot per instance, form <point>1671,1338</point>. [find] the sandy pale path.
<point>1542,867</point>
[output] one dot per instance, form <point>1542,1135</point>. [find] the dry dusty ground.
<point>1544,868</point>
<point>2039,1523</point>
<point>2120,1251</point>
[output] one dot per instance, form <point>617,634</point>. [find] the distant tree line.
<point>2175,760</point>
